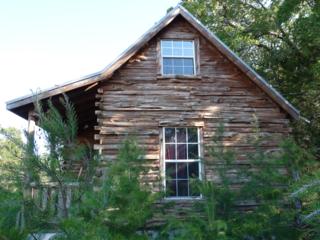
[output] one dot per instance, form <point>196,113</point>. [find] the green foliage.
<point>10,185</point>
<point>120,207</point>
<point>9,208</point>
<point>265,185</point>
<point>281,40</point>
<point>121,203</point>
<point>63,149</point>
<point>267,188</point>
<point>115,207</point>
<point>10,156</point>
<point>25,166</point>
<point>305,189</point>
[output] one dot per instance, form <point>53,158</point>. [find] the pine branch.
<point>311,215</point>
<point>305,188</point>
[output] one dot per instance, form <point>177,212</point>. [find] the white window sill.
<point>168,199</point>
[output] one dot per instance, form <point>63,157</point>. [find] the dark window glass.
<point>182,170</point>
<point>170,135</point>
<point>181,162</point>
<point>193,170</point>
<point>181,135</point>
<point>193,188</point>
<point>171,188</point>
<point>182,151</point>
<point>183,188</point>
<point>171,171</point>
<point>193,135</point>
<point>170,151</point>
<point>193,152</point>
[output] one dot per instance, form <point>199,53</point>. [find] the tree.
<point>262,188</point>
<point>281,40</point>
<point>10,185</point>
<point>10,156</point>
<point>67,162</point>
<point>120,206</point>
<point>67,167</point>
<point>116,205</point>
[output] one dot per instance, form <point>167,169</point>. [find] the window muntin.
<point>182,161</point>
<point>178,57</point>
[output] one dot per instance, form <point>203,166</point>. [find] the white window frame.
<point>172,56</point>
<point>181,161</point>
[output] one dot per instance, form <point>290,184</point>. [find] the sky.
<point>47,42</point>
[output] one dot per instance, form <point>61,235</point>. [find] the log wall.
<point>138,100</point>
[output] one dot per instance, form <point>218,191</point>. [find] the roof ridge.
<point>147,36</point>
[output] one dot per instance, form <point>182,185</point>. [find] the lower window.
<point>182,161</point>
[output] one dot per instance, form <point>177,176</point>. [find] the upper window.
<point>181,161</point>
<point>177,57</point>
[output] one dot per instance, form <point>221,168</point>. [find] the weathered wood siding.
<point>137,100</point>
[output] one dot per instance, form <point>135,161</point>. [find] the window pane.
<point>166,51</point>
<point>188,52</point>
<point>193,135</point>
<point>193,152</point>
<point>170,136</point>
<point>178,62</point>
<point>178,70</point>
<point>167,62</point>
<point>177,52</point>
<point>182,188</point>
<point>171,171</point>
<point>181,135</point>
<point>177,44</point>
<point>166,43</point>
<point>188,62</point>
<point>193,189</point>
<point>182,170</point>
<point>182,151</point>
<point>188,71</point>
<point>170,151</point>
<point>193,170</point>
<point>187,44</point>
<point>167,70</point>
<point>171,189</point>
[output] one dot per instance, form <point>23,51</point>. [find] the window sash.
<point>167,50</point>
<point>177,180</point>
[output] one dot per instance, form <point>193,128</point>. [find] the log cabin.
<point>172,89</point>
